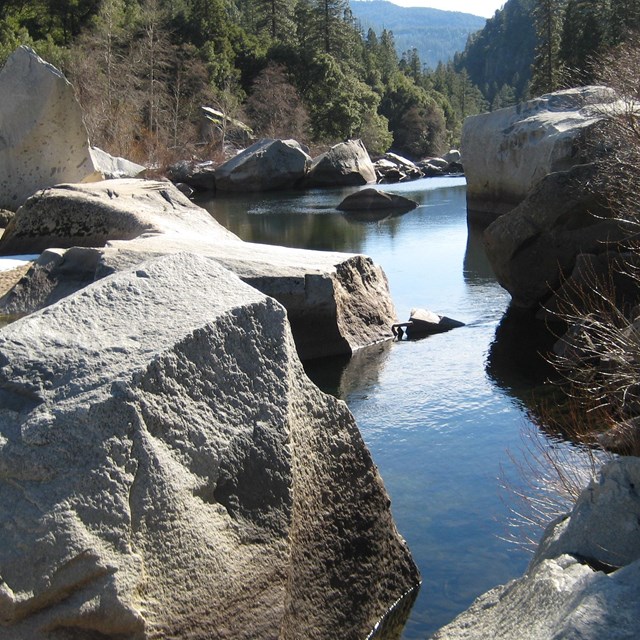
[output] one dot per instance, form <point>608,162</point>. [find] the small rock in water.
<point>425,323</point>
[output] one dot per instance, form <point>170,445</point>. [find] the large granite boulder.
<point>533,248</point>
<point>266,165</point>
<point>89,215</point>
<point>168,470</point>
<point>508,151</point>
<point>346,164</point>
<point>584,581</point>
<point>44,140</point>
<point>336,302</point>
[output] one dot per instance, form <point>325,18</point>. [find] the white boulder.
<point>508,151</point>
<point>43,139</point>
<point>168,470</point>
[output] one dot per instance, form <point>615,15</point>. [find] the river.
<point>446,417</point>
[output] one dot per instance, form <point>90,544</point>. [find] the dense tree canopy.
<point>143,68</point>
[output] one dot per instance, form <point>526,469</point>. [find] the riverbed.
<point>447,418</point>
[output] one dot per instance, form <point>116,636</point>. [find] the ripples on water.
<point>442,425</point>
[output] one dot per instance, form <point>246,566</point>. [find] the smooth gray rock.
<point>336,302</point>
<point>198,175</point>
<point>90,215</point>
<point>267,165</point>
<point>345,164</point>
<point>44,140</point>
<point>168,470</point>
<point>374,200</point>
<point>535,245</point>
<point>573,588</point>
<point>506,152</point>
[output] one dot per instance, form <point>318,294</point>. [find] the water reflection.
<point>442,416</point>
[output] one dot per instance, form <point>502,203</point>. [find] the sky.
<point>484,8</point>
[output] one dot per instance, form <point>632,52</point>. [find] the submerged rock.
<point>375,200</point>
<point>424,323</point>
<point>168,470</point>
<point>336,302</point>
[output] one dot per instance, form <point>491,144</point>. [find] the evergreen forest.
<point>303,69</point>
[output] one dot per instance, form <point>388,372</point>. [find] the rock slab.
<point>336,302</point>
<point>506,152</point>
<point>584,581</point>
<point>168,470</point>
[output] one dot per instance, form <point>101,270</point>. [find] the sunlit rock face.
<point>168,470</point>
<point>508,151</point>
<point>43,139</point>
<point>584,581</point>
<point>345,164</point>
<point>336,302</point>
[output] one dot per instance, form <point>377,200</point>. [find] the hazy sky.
<point>485,8</point>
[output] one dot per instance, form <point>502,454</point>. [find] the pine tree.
<point>548,16</point>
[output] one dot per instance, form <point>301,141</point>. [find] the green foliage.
<point>547,67</point>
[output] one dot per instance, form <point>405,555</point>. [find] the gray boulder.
<point>346,164</point>
<point>90,215</point>
<point>168,470</point>
<point>197,175</point>
<point>535,246</point>
<point>573,588</point>
<point>266,165</point>
<point>506,152</point>
<point>336,302</point>
<point>44,138</point>
<point>409,169</point>
<point>375,200</point>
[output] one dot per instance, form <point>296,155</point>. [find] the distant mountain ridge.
<point>436,34</point>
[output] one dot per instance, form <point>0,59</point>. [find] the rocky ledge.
<point>168,470</point>
<point>336,302</point>
<point>584,581</point>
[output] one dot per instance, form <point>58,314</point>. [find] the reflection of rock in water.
<point>344,376</point>
<point>516,361</point>
<point>476,268</point>
<point>392,625</point>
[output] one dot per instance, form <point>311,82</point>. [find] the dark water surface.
<point>444,416</point>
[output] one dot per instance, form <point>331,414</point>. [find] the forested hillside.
<point>531,47</point>
<point>302,69</point>
<point>437,35</point>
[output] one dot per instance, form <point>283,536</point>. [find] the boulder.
<point>113,167</point>
<point>346,164</point>
<point>453,156</point>
<point>375,200</point>
<point>89,215</point>
<point>387,172</point>
<point>534,247</point>
<point>409,170</point>
<point>337,303</point>
<point>44,140</point>
<point>5,217</point>
<point>197,175</point>
<point>422,323</point>
<point>583,582</point>
<point>266,165</point>
<point>506,152</point>
<point>168,470</point>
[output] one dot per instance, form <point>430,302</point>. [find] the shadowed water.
<point>442,422</point>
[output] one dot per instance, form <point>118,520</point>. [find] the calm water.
<point>444,416</point>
